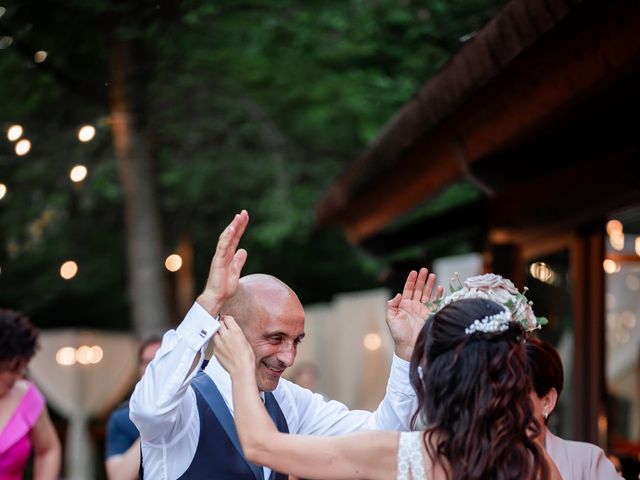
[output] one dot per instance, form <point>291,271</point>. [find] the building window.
<point>622,346</point>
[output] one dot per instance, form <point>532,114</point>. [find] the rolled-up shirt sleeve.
<point>312,414</point>
<point>400,402</point>
<point>162,403</point>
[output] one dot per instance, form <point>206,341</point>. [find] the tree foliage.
<point>243,104</point>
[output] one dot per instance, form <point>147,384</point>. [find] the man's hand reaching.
<point>407,312</point>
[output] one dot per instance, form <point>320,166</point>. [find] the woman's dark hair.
<point>473,396</point>
<point>545,366</point>
<point>18,339</point>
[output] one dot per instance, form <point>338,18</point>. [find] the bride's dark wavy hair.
<point>473,396</point>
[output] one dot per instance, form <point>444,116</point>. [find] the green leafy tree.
<point>202,108</point>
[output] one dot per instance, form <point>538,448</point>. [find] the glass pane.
<point>549,289</point>
<point>622,364</point>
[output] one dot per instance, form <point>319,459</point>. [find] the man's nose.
<point>287,354</point>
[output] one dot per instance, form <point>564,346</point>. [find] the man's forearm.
<point>157,398</point>
<point>125,466</point>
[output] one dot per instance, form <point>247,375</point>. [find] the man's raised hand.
<point>407,311</point>
<point>226,266</point>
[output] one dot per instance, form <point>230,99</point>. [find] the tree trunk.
<point>144,244</point>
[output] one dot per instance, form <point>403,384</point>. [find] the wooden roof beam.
<point>586,52</point>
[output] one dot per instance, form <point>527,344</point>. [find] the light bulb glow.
<point>66,356</point>
<point>14,132</point>
<point>78,173</point>
<point>542,272</point>
<point>617,240</point>
<point>633,282</point>
<point>3,190</point>
<point>82,354</point>
<point>87,355</point>
<point>86,133</point>
<point>372,341</point>
<point>5,42</point>
<point>614,226</point>
<point>40,56</point>
<point>628,319</point>
<point>96,354</point>
<point>23,147</point>
<point>68,270</point>
<point>173,263</point>
<point>609,266</point>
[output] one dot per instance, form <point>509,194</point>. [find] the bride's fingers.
<point>419,285</point>
<point>428,288</point>
<point>409,285</point>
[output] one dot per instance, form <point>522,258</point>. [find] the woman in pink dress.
<point>24,422</point>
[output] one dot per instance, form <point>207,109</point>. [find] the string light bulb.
<point>68,270</point>
<point>86,133</point>
<point>78,173</point>
<point>40,56</point>
<point>173,263</point>
<point>614,226</point>
<point>66,356</point>
<point>14,132</point>
<point>23,147</point>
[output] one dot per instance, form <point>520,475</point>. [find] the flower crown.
<point>500,290</point>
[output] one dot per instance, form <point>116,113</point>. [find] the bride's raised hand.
<point>232,349</point>
<point>407,311</point>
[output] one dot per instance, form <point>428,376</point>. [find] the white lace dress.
<point>410,461</point>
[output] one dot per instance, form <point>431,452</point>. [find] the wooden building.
<point>523,148</point>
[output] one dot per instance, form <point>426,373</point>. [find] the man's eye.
<point>275,339</point>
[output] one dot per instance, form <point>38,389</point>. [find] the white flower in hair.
<point>500,290</point>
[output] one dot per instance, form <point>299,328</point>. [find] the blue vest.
<point>219,453</point>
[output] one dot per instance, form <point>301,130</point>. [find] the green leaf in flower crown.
<point>453,288</point>
<point>542,320</point>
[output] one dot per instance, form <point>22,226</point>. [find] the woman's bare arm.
<point>46,447</point>
<point>365,455</point>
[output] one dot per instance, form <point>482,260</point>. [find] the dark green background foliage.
<point>255,104</point>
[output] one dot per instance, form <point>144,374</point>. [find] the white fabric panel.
<point>81,391</point>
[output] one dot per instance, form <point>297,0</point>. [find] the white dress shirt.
<point>163,406</point>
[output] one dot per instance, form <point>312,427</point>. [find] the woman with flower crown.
<point>575,460</point>
<point>468,370</point>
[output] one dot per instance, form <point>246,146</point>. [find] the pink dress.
<point>15,444</point>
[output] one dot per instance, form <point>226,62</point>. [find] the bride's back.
<point>414,463</point>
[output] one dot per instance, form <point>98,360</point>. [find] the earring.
<point>545,415</point>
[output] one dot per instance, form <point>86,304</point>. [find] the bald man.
<point>185,414</point>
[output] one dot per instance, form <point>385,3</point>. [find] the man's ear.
<point>550,400</point>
